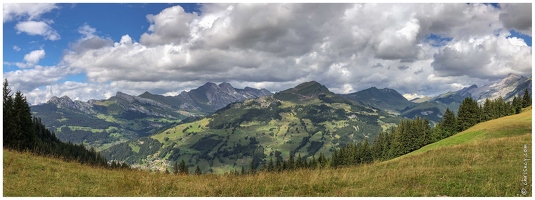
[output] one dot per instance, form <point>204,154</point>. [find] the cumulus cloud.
<point>490,57</point>
<point>517,16</point>
<point>33,57</point>
<point>37,28</point>
<point>30,11</point>
<point>29,79</point>
<point>169,26</point>
<point>75,90</point>
<point>347,47</point>
<point>16,48</point>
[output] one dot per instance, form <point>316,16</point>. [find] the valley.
<point>152,132</point>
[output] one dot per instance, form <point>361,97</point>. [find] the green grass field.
<point>485,160</point>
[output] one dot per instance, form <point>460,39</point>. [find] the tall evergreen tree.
<point>176,169</point>
<point>8,122</point>
<point>526,100</point>
<point>468,115</point>
<point>448,123</point>
<point>517,104</point>
<point>182,168</point>
<point>278,164</point>
<point>291,162</point>
<point>24,133</point>
<point>299,162</point>
<point>251,167</point>
<point>270,166</point>
<point>198,170</point>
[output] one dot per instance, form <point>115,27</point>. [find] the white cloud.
<point>16,48</point>
<point>37,28</point>
<point>33,57</point>
<point>29,79</point>
<point>75,90</point>
<point>412,96</point>
<point>31,11</point>
<point>347,47</point>
<point>487,57</point>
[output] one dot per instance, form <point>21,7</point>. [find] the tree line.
<point>22,132</point>
<point>408,136</point>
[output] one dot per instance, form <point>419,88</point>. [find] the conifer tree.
<point>517,104</point>
<point>8,122</point>
<point>198,170</point>
<point>182,168</point>
<point>469,114</point>
<point>251,167</point>
<point>270,167</point>
<point>526,100</point>
<point>278,164</point>
<point>291,162</point>
<point>176,168</point>
<point>299,162</point>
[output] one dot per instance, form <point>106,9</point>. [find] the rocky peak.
<point>511,78</point>
<point>65,100</point>
<point>226,87</point>
<point>125,97</point>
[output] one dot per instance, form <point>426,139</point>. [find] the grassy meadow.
<point>485,160</point>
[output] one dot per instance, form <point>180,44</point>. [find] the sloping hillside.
<point>485,160</point>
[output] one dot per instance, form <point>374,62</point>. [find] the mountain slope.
<point>307,119</point>
<point>101,123</point>
<point>385,99</point>
<point>434,108</point>
<point>491,165</point>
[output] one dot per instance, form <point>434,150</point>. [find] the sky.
<point>91,50</point>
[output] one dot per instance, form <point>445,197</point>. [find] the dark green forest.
<point>22,132</point>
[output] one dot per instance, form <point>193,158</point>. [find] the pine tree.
<point>278,164</point>
<point>182,168</point>
<point>448,123</point>
<point>291,162</point>
<point>175,168</point>
<point>24,133</point>
<point>198,170</point>
<point>299,162</point>
<point>517,104</point>
<point>367,156</point>
<point>526,100</point>
<point>270,167</point>
<point>251,167</point>
<point>469,114</point>
<point>8,122</point>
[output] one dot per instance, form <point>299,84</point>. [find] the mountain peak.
<point>225,85</point>
<point>210,84</point>
<point>145,93</point>
<point>385,98</point>
<point>303,91</point>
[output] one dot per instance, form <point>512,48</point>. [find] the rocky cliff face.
<point>211,97</point>
<point>66,102</point>
<point>507,88</point>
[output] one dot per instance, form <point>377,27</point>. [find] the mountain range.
<point>220,127</point>
<point>123,117</point>
<point>303,121</point>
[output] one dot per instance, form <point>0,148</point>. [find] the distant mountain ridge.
<point>124,117</point>
<point>387,99</point>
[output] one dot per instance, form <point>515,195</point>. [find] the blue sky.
<point>92,50</point>
<point>112,21</point>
